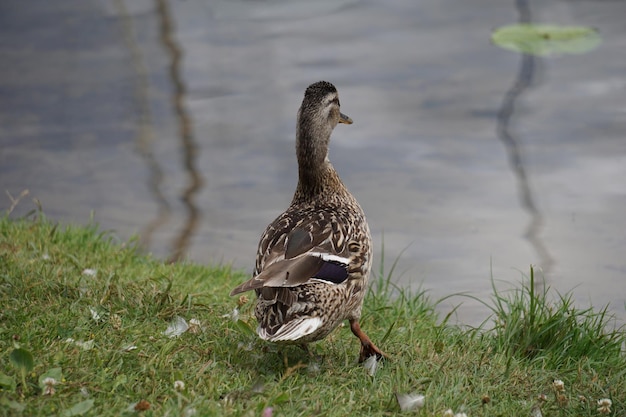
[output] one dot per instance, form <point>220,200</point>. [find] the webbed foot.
<point>367,347</point>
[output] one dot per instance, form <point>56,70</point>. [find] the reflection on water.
<point>145,136</point>
<point>145,125</point>
<point>185,129</point>
<point>523,81</point>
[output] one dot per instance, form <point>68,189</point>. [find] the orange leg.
<point>367,347</point>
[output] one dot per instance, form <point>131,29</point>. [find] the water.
<point>175,121</point>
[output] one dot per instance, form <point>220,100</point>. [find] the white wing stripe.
<point>330,258</point>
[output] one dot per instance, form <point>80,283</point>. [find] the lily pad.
<point>544,40</point>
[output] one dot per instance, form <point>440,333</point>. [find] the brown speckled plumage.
<point>314,260</point>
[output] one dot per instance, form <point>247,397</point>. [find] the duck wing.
<point>314,250</point>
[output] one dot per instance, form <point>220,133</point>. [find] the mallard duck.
<point>313,261</point>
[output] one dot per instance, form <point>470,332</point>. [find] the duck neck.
<point>316,175</point>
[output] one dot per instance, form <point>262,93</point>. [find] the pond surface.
<point>175,120</point>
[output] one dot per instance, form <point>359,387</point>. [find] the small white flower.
<point>90,272</point>
<point>49,381</point>
<point>189,412</point>
<point>460,415</point>
<point>45,256</point>
<point>410,402</point>
<point>177,326</point>
<point>179,385</point>
<point>84,392</point>
<point>194,326</point>
<point>558,385</point>
<point>49,384</point>
<point>448,413</point>
<point>604,406</point>
<point>116,321</point>
<point>370,365</point>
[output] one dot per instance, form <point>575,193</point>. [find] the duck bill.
<point>344,119</point>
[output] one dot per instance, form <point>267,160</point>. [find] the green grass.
<point>102,337</point>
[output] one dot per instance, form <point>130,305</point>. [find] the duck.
<point>313,261</point>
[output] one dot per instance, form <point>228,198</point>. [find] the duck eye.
<point>336,101</point>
